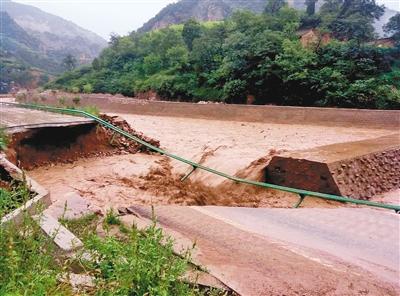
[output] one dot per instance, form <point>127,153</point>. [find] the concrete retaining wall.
<point>360,169</point>
<point>389,119</point>
<point>40,201</point>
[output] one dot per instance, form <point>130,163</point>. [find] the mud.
<point>123,180</point>
<point>50,145</point>
<point>238,148</point>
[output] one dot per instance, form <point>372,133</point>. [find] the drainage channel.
<point>302,193</point>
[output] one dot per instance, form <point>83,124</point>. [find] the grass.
<point>28,265</point>
<point>4,139</point>
<point>132,262</point>
<point>92,110</point>
<point>13,198</point>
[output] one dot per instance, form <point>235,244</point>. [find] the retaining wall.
<point>387,119</point>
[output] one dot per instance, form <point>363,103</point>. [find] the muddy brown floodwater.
<point>240,148</point>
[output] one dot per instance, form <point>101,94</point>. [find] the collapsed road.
<point>254,251</point>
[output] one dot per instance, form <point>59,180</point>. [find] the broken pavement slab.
<point>39,202</point>
<point>72,206</point>
<point>181,246</point>
<point>359,169</point>
<point>62,237</point>
<point>251,263</point>
<point>16,119</point>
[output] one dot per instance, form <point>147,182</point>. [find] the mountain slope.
<point>20,46</point>
<point>57,36</point>
<point>34,44</point>
<point>211,10</point>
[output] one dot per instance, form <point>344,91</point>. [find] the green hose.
<point>302,193</point>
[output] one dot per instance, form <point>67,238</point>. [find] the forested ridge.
<point>258,59</point>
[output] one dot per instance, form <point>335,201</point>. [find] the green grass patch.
<point>131,262</point>
<point>13,197</point>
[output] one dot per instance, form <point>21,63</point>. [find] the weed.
<point>62,101</point>
<point>76,100</point>
<point>92,110</point>
<point>83,226</point>
<point>4,139</point>
<point>134,263</point>
<point>12,199</point>
<point>75,89</point>
<point>111,218</point>
<point>87,88</point>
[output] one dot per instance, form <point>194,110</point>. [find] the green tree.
<point>96,64</point>
<point>351,19</point>
<point>273,6</point>
<point>69,62</point>
<point>393,26</point>
<point>310,7</point>
<point>191,31</point>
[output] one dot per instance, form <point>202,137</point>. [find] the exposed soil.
<point>51,145</point>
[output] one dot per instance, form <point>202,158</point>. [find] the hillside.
<point>34,45</point>
<point>57,36</point>
<point>249,58</point>
<point>211,10</point>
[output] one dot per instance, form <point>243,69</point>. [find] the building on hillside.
<point>383,42</point>
<point>313,37</point>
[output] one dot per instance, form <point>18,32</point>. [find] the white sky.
<point>118,16</point>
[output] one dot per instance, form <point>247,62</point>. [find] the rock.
<point>71,206</point>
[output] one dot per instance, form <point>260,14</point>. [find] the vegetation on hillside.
<point>255,57</point>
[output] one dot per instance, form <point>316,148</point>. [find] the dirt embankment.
<point>50,145</point>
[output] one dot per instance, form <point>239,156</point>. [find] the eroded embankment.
<point>30,148</point>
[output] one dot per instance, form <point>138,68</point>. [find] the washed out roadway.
<point>291,251</point>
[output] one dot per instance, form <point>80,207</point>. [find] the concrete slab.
<point>366,237</point>
<point>62,237</point>
<point>18,119</point>
<point>71,206</point>
<point>360,169</point>
<point>40,201</point>
<point>291,252</point>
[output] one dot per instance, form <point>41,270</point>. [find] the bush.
<point>131,263</point>
<point>92,110</point>
<point>76,100</point>
<point>87,88</point>
<point>21,96</point>
<point>4,139</point>
<point>62,101</point>
<point>75,89</point>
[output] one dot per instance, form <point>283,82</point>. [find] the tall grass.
<point>4,139</point>
<point>13,197</point>
<point>130,263</point>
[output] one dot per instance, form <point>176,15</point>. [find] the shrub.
<point>87,88</point>
<point>21,96</point>
<point>75,90</point>
<point>92,110</point>
<point>131,263</point>
<point>4,140</point>
<point>76,100</point>
<point>62,101</point>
